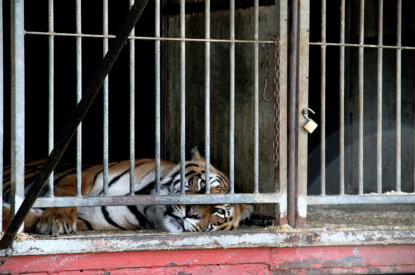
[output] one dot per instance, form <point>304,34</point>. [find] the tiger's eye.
<point>219,211</point>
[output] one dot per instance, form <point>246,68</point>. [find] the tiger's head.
<point>198,218</point>
<point>195,177</point>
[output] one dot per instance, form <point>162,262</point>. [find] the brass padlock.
<point>310,125</point>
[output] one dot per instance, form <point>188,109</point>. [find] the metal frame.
<point>361,197</point>
<point>279,197</point>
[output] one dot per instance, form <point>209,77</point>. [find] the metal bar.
<point>281,179</point>
<point>154,38</point>
<point>105,98</point>
<point>361,96</point>
<point>292,102</point>
<point>323,100</point>
<point>1,108</point>
<point>360,199</point>
<point>157,93</point>
<point>341,96</point>
<point>182,95</point>
<point>232,100</point>
<point>158,200</point>
<point>51,89</point>
<point>368,46</point>
<point>302,101</point>
<point>132,108</point>
<point>17,105</point>
<point>76,117</point>
<point>256,99</point>
<point>207,95</point>
<point>398,96</point>
<point>78,97</point>
<point>379,101</point>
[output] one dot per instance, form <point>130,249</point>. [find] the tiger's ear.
<point>198,153</point>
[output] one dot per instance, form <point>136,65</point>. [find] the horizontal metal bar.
<point>151,38</point>
<point>361,199</point>
<point>157,200</point>
<point>362,45</point>
<point>133,241</point>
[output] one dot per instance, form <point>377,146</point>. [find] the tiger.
<point>169,218</point>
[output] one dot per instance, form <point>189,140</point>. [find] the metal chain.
<point>274,93</point>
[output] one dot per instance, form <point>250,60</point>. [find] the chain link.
<point>274,93</point>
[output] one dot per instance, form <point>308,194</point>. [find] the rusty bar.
<point>361,95</point>
<point>51,88</point>
<point>359,199</point>
<point>379,101</point>
<point>292,102</point>
<point>17,134</point>
<point>76,117</point>
<point>78,97</point>
<point>323,100</point>
<point>341,96</point>
<point>398,96</point>
<point>105,98</point>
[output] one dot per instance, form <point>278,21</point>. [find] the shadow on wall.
<point>369,163</point>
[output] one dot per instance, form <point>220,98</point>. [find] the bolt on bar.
<point>157,72</point>
<point>105,97</point>
<point>51,89</point>
<point>323,100</point>
<point>1,107</point>
<point>341,96</point>
<point>256,98</point>
<point>207,96</point>
<point>232,100</point>
<point>17,104</point>
<point>361,95</point>
<point>379,100</point>
<point>132,107</point>
<point>182,94</point>
<point>398,94</point>
<point>78,97</point>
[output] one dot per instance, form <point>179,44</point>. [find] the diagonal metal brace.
<point>70,128</point>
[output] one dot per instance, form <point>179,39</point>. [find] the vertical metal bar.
<point>182,94</point>
<point>398,94</point>
<point>17,104</point>
<point>132,108</point>
<point>281,180</point>
<point>207,95</point>
<point>379,101</point>
<point>292,116</point>
<point>1,108</point>
<point>51,87</point>
<point>78,96</point>
<point>157,72</point>
<point>302,92</point>
<point>341,95</point>
<point>323,99</point>
<point>105,97</point>
<point>232,100</point>
<point>361,94</point>
<point>256,99</point>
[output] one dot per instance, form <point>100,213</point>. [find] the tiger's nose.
<point>191,211</point>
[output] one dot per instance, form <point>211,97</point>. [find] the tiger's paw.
<point>57,221</point>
